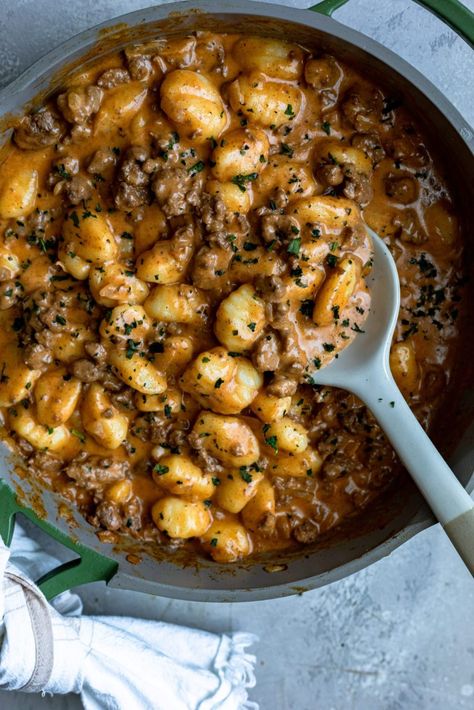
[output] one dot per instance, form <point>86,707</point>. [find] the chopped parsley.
<point>294,246</point>
<point>240,180</point>
<point>160,469</point>
<point>196,168</point>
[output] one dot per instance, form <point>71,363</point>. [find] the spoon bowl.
<point>363,368</point>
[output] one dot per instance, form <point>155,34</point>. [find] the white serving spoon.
<point>363,368</point>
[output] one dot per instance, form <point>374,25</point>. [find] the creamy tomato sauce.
<point>182,247</point>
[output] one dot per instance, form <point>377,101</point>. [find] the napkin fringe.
<point>236,670</point>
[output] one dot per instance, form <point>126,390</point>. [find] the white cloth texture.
<point>115,663</point>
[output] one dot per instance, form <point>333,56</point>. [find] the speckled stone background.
<point>396,636</point>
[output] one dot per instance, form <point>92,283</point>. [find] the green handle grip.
<point>454,13</point>
<point>89,566</point>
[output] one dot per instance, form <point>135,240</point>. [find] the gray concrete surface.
<point>396,636</point>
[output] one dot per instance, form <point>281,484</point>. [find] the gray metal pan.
<point>399,514</point>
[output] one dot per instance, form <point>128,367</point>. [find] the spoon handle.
<point>449,501</point>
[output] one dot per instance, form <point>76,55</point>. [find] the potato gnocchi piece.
<point>192,101</point>
<point>124,324</point>
<point>336,291</point>
<point>56,395</point>
<point>181,477</point>
<point>228,439</point>
<point>18,193</point>
<point>180,518</point>
<point>107,426</point>
<point>236,489</point>
<point>227,541</point>
<point>280,60</point>
<point>73,264</point>
<point>112,284</point>
<point>258,514</point>
<point>300,465</point>
<point>166,262</point>
<point>44,438</point>
<point>119,492</point>
<point>221,382</point>
<point>169,403</point>
<point>284,434</point>
<point>137,372</point>
<point>16,378</point>
<point>178,351</point>
<point>296,178</point>
<point>179,303</point>
<point>91,237</point>
<point>241,152</point>
<point>269,408</point>
<point>119,106</point>
<point>235,199</point>
<point>68,346</point>
<point>240,319</point>
<point>265,102</point>
<point>347,156</point>
<point>9,265</point>
<point>331,213</point>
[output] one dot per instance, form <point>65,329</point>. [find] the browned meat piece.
<point>266,525</point>
<point>101,160</point>
<point>339,464</point>
<point>79,103</point>
<point>176,190</point>
<point>279,227</point>
<point>63,169</point>
<point>358,187</point>
<point>210,263</point>
<point>113,77</point>
<point>77,189</point>
<point>10,293</point>
<point>370,144</point>
<point>38,130</point>
<point>132,190</point>
<point>94,473</point>
<point>307,532</point>
<point>331,175</point>
<point>86,371</point>
<point>203,459</point>
<point>140,68</point>
<point>363,108</point>
<point>282,386</point>
<point>403,189</point>
<point>266,353</point>
<point>271,288</point>
<point>109,515</point>
<point>44,463</point>
<point>37,356</point>
<point>97,352</point>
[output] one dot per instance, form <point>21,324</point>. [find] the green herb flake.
<point>160,469</point>
<point>294,246</point>
<point>196,168</point>
<point>79,434</point>
<point>240,180</point>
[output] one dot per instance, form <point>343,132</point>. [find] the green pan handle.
<point>88,567</point>
<point>454,13</point>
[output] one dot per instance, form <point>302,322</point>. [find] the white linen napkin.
<point>115,663</point>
